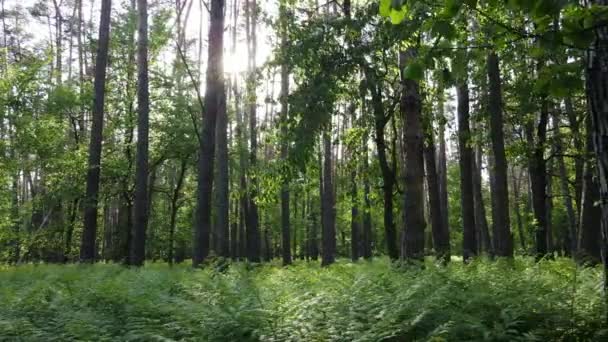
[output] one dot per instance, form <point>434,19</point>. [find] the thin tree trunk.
<point>174,209</point>
<point>440,234</point>
<point>480,210</point>
<point>285,224</point>
<point>253,229</point>
<point>87,247</point>
<point>329,228</point>
<point>388,174</point>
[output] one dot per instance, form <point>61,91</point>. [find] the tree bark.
<point>469,244</point>
<point>411,108</point>
<point>89,233</point>
<point>214,96</point>
<point>503,240</point>
<point>140,211</point>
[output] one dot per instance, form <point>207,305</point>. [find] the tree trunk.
<point>481,222</point>
<point>516,196</point>
<point>442,168</point>
<point>89,233</point>
<point>140,211</point>
<point>388,174</point>
<point>503,241</point>
<point>411,111</point>
<point>329,228</point>
<point>214,98</point>
<point>253,229</point>
<point>565,186</point>
<point>579,146</point>
<point>285,224</point>
<point>222,223</point>
<point>174,209</point>
<point>469,244</point>
<point>441,237</point>
<point>589,246</point>
<point>367,216</point>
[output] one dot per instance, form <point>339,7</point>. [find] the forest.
<point>304,170</point>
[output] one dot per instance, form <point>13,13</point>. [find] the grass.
<point>368,301</point>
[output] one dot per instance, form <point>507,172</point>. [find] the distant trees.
<point>356,111</point>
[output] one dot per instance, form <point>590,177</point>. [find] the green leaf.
<point>385,8</point>
<point>398,16</point>
<point>414,71</point>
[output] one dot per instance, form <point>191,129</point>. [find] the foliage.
<point>492,301</point>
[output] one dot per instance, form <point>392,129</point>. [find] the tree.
<point>503,240</point>
<point>89,234</point>
<point>214,95</point>
<point>140,212</point>
<point>285,224</point>
<point>413,242</point>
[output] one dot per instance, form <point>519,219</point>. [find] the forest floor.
<point>367,301</point>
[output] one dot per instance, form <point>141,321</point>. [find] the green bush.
<point>368,301</point>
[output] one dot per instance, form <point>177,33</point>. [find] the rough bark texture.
<point>140,212</point>
<point>89,233</point>
<point>214,95</point>
<point>411,107</point>
<point>469,244</point>
<point>503,241</point>
<point>597,88</point>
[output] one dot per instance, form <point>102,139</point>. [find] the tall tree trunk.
<point>597,88</point>
<point>565,186</point>
<point>388,174</point>
<point>367,216</point>
<point>503,240</point>
<point>174,209</point>
<point>516,196</point>
<point>481,222</point>
<point>140,212</point>
<point>469,243</point>
<point>253,229</point>
<point>579,146</point>
<point>285,224</point>
<point>214,98</point>
<point>89,233</point>
<point>589,246</point>
<point>354,218</point>
<point>58,42</point>
<point>441,238</point>
<point>442,168</point>
<point>411,111</point>
<point>222,223</point>
<point>329,228</point>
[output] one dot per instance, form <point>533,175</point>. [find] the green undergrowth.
<point>367,301</point>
